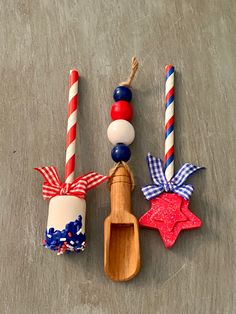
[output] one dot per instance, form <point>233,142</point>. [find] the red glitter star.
<point>169,213</point>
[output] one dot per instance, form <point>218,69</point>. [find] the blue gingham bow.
<point>160,184</point>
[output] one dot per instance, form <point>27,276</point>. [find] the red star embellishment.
<point>169,213</point>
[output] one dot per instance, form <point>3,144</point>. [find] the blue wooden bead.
<point>120,152</point>
<point>122,93</point>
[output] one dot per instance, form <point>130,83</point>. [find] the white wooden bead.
<point>121,131</point>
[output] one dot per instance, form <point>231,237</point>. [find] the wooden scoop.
<point>121,231</point>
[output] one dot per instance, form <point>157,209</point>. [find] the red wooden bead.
<point>121,110</point>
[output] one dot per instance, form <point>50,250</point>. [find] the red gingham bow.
<point>53,186</point>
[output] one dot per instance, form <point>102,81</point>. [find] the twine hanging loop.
<point>133,70</point>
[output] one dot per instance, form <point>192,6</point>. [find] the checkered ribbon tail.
<point>160,183</point>
<point>52,185</point>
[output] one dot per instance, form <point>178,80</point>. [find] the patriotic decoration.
<point>169,214</point>
<point>169,123</point>
<point>121,132</point>
<point>71,126</point>
<point>70,239</point>
<point>53,186</point>
<point>121,247</point>
<point>160,183</point>
<point>169,194</point>
<point>65,231</point>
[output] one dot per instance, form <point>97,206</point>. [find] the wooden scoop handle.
<point>121,186</point>
<point>121,233</point>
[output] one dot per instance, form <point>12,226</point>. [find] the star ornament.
<point>169,201</point>
<point>169,213</point>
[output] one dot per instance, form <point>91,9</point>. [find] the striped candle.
<point>71,126</point>
<point>169,122</point>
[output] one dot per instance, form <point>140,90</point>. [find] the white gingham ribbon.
<point>160,183</point>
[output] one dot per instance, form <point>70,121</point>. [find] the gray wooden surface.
<point>39,42</point>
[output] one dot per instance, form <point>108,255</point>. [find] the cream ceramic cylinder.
<point>66,224</point>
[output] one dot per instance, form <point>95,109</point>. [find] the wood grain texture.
<point>40,41</point>
<point>121,229</point>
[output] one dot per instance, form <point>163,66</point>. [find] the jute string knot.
<point>133,70</point>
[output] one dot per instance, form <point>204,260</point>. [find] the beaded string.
<point>120,131</point>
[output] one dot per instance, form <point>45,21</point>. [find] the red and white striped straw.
<point>71,126</point>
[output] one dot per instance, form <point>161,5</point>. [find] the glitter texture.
<point>169,213</point>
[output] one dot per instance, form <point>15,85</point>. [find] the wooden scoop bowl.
<point>121,230</point>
